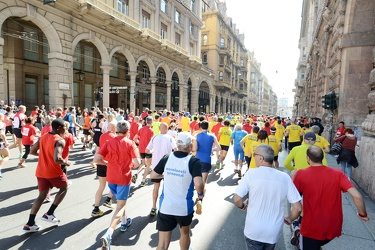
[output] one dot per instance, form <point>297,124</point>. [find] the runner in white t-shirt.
<point>159,146</point>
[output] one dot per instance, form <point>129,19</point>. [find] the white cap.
<point>183,138</point>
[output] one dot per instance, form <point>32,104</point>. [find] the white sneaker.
<point>50,218</point>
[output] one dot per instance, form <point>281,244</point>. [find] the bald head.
<point>163,128</point>
<point>315,154</point>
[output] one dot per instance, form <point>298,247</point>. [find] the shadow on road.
<point>9,194</point>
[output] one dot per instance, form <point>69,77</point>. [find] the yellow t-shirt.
<point>210,125</point>
<point>156,127</point>
<point>298,156</point>
<point>294,133</point>
<point>185,124</point>
<point>225,133</point>
<point>254,146</point>
<point>274,142</point>
<point>248,141</point>
<point>280,130</point>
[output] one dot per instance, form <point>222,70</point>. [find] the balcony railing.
<point>175,47</point>
<point>148,32</point>
<point>113,12</point>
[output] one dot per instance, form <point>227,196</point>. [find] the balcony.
<point>168,44</point>
<point>195,59</point>
<point>112,12</point>
<point>227,68</point>
<point>147,33</point>
<point>223,85</point>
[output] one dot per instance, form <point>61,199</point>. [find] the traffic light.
<point>329,101</point>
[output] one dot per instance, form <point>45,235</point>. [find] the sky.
<point>272,29</point>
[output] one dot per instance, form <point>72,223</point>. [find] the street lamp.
<point>80,75</point>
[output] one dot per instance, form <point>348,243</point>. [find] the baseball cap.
<point>183,138</point>
<point>187,113</point>
<point>310,136</point>
<point>273,129</point>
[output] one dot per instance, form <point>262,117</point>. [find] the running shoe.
<point>90,145</point>
<point>48,199</point>
<point>134,178</point>
<point>20,156</point>
<point>153,211</point>
<point>93,152</point>
<point>31,229</point>
<point>124,227</point>
<point>50,218</point>
<point>106,242</point>
<point>143,183</point>
<point>198,203</point>
<point>239,173</point>
<point>108,203</point>
<point>218,164</point>
<point>97,213</point>
<point>296,233</point>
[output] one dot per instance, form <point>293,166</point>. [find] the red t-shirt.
<point>247,127</point>
<point>145,135</point>
<point>134,128</point>
<point>106,137</point>
<point>192,126</point>
<point>28,133</point>
<point>119,152</point>
<point>321,188</point>
<point>46,129</point>
<point>130,119</point>
<point>34,113</point>
<point>69,140</point>
<point>268,129</point>
<point>47,167</point>
<point>216,128</point>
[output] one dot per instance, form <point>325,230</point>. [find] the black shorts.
<point>9,129</point>
<point>17,133</point>
<point>275,158</point>
<point>169,222</point>
<point>86,132</point>
<point>144,155</point>
<point>225,148</point>
<point>156,180</point>
<point>312,244</point>
<point>291,145</point>
<point>101,170</point>
<point>206,167</point>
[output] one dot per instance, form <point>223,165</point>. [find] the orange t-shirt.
<point>87,124</point>
<point>47,167</point>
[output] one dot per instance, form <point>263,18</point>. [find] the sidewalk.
<point>356,234</point>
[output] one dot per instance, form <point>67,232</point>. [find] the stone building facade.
<point>136,53</point>
<point>336,43</point>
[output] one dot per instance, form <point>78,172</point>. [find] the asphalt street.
<point>220,226</point>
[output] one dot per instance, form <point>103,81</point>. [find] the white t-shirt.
<point>162,144</point>
<point>172,133</point>
<point>268,189</point>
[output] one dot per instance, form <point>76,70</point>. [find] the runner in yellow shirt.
<point>185,123</point>
<point>280,130</point>
<point>262,139</point>
<point>294,132</point>
<point>224,141</point>
<point>247,142</point>
<point>275,143</point>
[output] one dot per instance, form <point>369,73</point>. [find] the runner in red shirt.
<point>142,138</point>
<point>28,134</point>
<point>216,128</point>
<point>134,127</point>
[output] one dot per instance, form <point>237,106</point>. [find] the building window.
<point>123,6</point>
<point>77,57</point>
<point>192,6</point>
<point>161,77</point>
<point>220,75</point>
<point>242,63</point>
<point>163,5</point>
<point>75,94</point>
<point>191,49</point>
<point>177,17</point>
<point>304,51</point>
<point>88,95</point>
<point>177,39</point>
<point>222,43</point>
<point>114,64</point>
<point>145,72</point>
<point>303,75</point>
<point>46,91</point>
<point>163,31</point>
<point>45,49</point>
<point>30,44</point>
<point>221,62</point>
<point>192,29</point>
<point>205,40</point>
<point>204,58</point>
<point>145,19</point>
<point>30,89</point>
<point>89,59</point>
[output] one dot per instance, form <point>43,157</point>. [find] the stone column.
<point>153,94</point>
<point>194,100</point>
<point>181,100</point>
<point>3,85</point>
<point>169,85</point>
<point>212,102</point>
<point>60,75</point>
<point>132,91</point>
<point>106,69</point>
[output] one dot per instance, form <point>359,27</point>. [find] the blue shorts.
<point>238,153</point>
<point>121,192</point>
